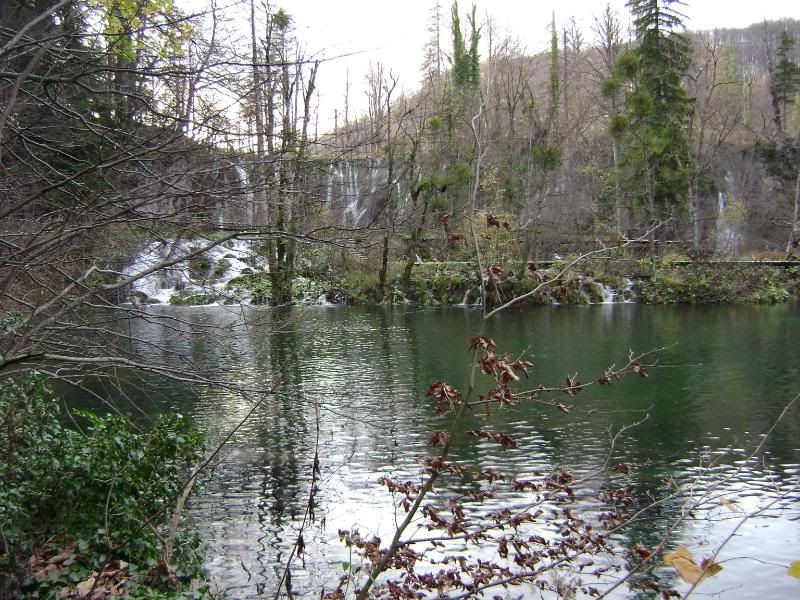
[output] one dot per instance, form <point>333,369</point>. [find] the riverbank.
<point>594,282</point>
<point>238,273</point>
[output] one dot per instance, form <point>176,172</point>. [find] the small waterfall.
<point>609,294</point>
<point>612,295</point>
<point>245,193</point>
<point>373,178</point>
<point>352,195</point>
<point>465,301</point>
<point>729,237</point>
<point>356,190</point>
<point>332,174</point>
<point>628,295</point>
<point>218,267</point>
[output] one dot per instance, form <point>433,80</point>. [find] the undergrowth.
<point>84,506</point>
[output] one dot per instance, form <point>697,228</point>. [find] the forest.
<point>156,153</point>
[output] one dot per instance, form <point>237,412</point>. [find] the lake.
<point>351,384</point>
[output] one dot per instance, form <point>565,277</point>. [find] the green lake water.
<point>358,377</point>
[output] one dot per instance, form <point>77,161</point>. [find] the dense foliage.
<point>81,492</point>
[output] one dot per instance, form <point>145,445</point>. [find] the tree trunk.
<point>651,235</point>
<point>258,101</point>
<point>384,267</point>
<point>413,248</point>
<point>794,235</point>
<point>390,184</point>
<point>694,212</point>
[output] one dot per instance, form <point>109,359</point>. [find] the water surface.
<point>352,385</point>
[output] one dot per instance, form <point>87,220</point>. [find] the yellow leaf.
<point>794,569</point>
<point>680,552</point>
<point>729,505</point>
<point>710,568</point>
<point>681,560</point>
<point>687,569</point>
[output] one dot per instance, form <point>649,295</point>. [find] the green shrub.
<point>192,299</point>
<point>258,285</point>
<point>94,496</point>
<point>223,266</point>
<point>199,266</point>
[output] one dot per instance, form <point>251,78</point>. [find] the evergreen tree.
<point>653,127</point>
<point>466,62</point>
<point>786,77</point>
<point>555,79</point>
<point>659,108</point>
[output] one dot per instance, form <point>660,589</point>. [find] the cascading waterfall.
<point>353,190</point>
<point>609,294</point>
<point>247,193</point>
<point>729,237</point>
<point>351,211</point>
<point>239,207</point>
<point>210,277</point>
<point>613,295</point>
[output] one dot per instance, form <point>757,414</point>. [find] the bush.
<point>258,285</point>
<point>199,267</point>
<point>223,266</point>
<point>76,502</point>
<point>719,283</point>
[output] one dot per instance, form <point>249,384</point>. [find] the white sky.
<point>355,33</point>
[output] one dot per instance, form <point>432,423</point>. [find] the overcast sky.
<point>354,33</point>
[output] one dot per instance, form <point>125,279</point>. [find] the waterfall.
<point>246,193</point>
<point>225,262</point>
<point>373,178</point>
<point>333,174</point>
<point>613,295</point>
<point>627,293</point>
<point>351,194</point>
<point>729,209</point>
<point>609,294</point>
<point>356,190</point>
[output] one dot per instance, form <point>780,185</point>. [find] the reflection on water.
<point>355,379</point>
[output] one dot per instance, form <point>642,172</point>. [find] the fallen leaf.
<point>687,569</point>
<point>729,505</point>
<point>85,586</point>
<point>681,560</point>
<point>680,552</point>
<point>709,567</point>
<point>794,569</point>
